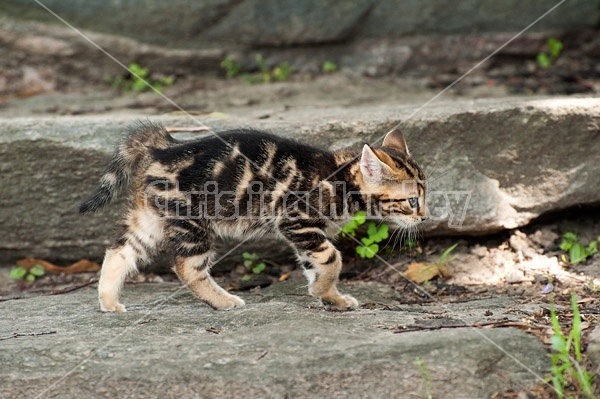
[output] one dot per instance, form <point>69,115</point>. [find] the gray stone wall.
<point>254,23</point>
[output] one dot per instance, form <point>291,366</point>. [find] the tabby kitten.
<point>243,183</point>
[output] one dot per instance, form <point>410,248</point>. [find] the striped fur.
<point>247,183</point>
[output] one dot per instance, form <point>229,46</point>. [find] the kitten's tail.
<point>128,155</point>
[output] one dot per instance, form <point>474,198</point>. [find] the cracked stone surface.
<point>282,344</point>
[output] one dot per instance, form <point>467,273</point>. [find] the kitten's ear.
<point>395,140</point>
<point>372,168</point>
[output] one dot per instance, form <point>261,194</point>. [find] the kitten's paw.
<point>340,302</point>
<point>112,307</point>
<point>227,302</point>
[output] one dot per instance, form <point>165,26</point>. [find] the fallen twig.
<point>213,330</point>
<point>493,324</point>
<point>21,335</point>
<point>55,292</point>
<point>262,355</point>
<point>72,288</point>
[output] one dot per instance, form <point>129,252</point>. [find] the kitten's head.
<point>393,181</point>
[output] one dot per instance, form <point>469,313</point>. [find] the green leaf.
<point>543,60</point>
<point>383,232</point>
<point>555,47</point>
<point>566,245</point>
<point>445,254</point>
<point>360,218</point>
<point>258,269</point>
<point>554,319</point>
<point>360,250</point>
<point>372,230</point>
<point>570,237</point>
<point>17,273</point>
<point>139,85</point>
<point>577,253</point>
<point>248,255</point>
<point>30,277</point>
<point>329,67</point>
<point>135,69</point>
<point>367,251</point>
<point>283,71</point>
<point>558,386</point>
<point>246,277</point>
<point>558,343</point>
<point>384,229</point>
<point>37,270</point>
<point>592,248</point>
<point>576,329</point>
<point>372,250</point>
<point>367,240</point>
<point>350,228</point>
<point>248,263</point>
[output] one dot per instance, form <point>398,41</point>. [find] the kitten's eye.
<point>413,202</point>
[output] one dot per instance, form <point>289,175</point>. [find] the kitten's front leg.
<point>324,263</point>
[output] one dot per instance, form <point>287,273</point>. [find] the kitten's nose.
<point>424,218</point>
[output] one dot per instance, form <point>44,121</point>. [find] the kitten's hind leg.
<point>192,245</point>
<point>323,263</point>
<point>118,264</point>
<point>193,272</point>
<point>142,233</point>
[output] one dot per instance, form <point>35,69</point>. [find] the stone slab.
<point>280,345</point>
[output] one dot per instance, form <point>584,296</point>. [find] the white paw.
<point>340,302</point>
<point>228,302</point>
<point>112,307</point>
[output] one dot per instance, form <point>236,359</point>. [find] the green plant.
<point>374,235</point>
<point>19,272</point>
<point>567,367</point>
<point>253,264</point>
<point>280,72</point>
<point>423,272</point>
<point>329,67</point>
<point>139,80</point>
<point>352,226</point>
<point>425,378</point>
<point>577,251</point>
<point>232,69</point>
<point>545,59</point>
<point>444,259</point>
